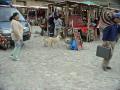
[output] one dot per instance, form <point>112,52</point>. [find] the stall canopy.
<point>89,3</point>
<point>5,2</point>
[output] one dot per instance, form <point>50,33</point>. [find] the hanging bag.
<point>103,52</point>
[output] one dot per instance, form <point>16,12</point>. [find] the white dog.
<point>51,41</point>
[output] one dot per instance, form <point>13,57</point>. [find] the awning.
<point>89,3</point>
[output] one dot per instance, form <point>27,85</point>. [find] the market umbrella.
<point>5,2</point>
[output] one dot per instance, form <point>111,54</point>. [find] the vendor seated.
<point>73,43</point>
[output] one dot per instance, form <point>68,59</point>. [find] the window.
<point>6,13</point>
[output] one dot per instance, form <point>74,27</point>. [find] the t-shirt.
<point>110,33</point>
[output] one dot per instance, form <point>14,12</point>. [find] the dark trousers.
<point>51,30</point>
<point>43,31</point>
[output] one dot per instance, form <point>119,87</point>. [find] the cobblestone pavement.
<point>44,68</point>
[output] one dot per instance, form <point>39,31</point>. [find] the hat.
<point>116,15</point>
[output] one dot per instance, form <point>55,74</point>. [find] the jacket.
<point>17,30</point>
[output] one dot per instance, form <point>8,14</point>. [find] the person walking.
<point>110,34</point>
<point>17,35</point>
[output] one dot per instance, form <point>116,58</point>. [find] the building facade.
<point>30,3</point>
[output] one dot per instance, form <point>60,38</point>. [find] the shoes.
<point>17,59</point>
<point>107,68</point>
<point>104,68</point>
<point>11,56</point>
<point>14,58</point>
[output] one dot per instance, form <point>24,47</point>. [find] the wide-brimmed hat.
<point>108,16</point>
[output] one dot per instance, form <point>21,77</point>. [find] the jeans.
<point>17,49</point>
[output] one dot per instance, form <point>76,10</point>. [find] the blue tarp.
<point>5,2</point>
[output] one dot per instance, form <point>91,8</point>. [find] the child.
<point>73,43</point>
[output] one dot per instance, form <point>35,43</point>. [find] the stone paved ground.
<point>44,68</point>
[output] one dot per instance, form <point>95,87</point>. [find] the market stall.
<point>79,15</point>
<point>36,14</point>
<point>67,9</point>
<point>92,19</point>
<point>67,12</point>
<point>33,14</point>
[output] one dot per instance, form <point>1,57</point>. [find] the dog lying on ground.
<point>51,41</point>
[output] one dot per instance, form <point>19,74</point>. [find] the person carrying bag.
<point>110,34</point>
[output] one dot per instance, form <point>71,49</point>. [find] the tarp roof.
<point>88,3</point>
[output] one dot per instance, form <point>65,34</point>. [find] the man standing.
<point>110,35</point>
<point>43,25</point>
<point>58,25</point>
<point>51,25</point>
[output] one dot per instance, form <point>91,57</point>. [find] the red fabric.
<point>75,21</point>
<point>84,29</point>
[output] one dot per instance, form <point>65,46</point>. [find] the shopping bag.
<point>103,52</point>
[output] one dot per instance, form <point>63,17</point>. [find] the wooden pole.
<point>88,16</point>
<point>66,18</point>
<point>108,3</point>
<point>66,14</point>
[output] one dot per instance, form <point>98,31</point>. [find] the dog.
<point>67,41</point>
<point>51,41</point>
